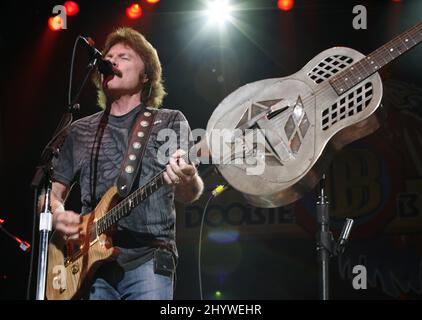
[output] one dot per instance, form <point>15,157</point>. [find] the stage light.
<point>218,11</point>
<point>217,294</point>
<point>55,23</point>
<point>285,5</point>
<point>72,8</point>
<point>153,1</point>
<point>134,11</point>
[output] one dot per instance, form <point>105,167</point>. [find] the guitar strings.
<point>322,89</point>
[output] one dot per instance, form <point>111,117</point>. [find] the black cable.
<point>69,94</point>
<point>66,121</point>
<point>91,66</point>
<point>31,261</point>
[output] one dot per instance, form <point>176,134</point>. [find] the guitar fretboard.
<point>124,207</point>
<point>359,71</point>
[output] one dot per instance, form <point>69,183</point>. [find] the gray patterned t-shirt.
<point>92,155</point>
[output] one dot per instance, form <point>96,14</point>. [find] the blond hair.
<point>153,92</point>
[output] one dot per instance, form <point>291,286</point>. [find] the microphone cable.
<point>216,192</point>
<point>71,74</point>
<point>31,259</point>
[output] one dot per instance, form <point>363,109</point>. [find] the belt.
<point>161,244</point>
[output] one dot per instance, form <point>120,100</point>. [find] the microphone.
<point>104,66</point>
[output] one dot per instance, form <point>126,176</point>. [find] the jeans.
<point>141,283</point>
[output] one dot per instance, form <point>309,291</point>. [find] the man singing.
<point>93,153</point>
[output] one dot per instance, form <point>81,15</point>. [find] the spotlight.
<point>72,8</point>
<point>285,5</point>
<point>153,1</point>
<point>134,11</point>
<point>55,23</point>
<point>219,11</point>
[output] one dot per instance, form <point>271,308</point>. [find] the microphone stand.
<point>326,245</point>
<point>43,176</point>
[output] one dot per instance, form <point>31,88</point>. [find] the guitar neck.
<point>124,207</point>
<point>359,71</point>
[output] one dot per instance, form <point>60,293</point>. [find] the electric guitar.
<point>71,266</point>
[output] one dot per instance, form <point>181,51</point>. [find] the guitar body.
<point>313,122</point>
<point>69,269</point>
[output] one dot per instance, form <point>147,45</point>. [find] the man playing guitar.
<point>93,153</point>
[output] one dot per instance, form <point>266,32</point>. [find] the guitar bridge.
<point>71,252</point>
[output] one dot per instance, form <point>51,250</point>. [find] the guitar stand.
<point>326,246</point>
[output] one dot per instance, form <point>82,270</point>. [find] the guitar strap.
<point>132,161</point>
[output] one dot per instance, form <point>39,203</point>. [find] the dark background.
<point>201,66</point>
